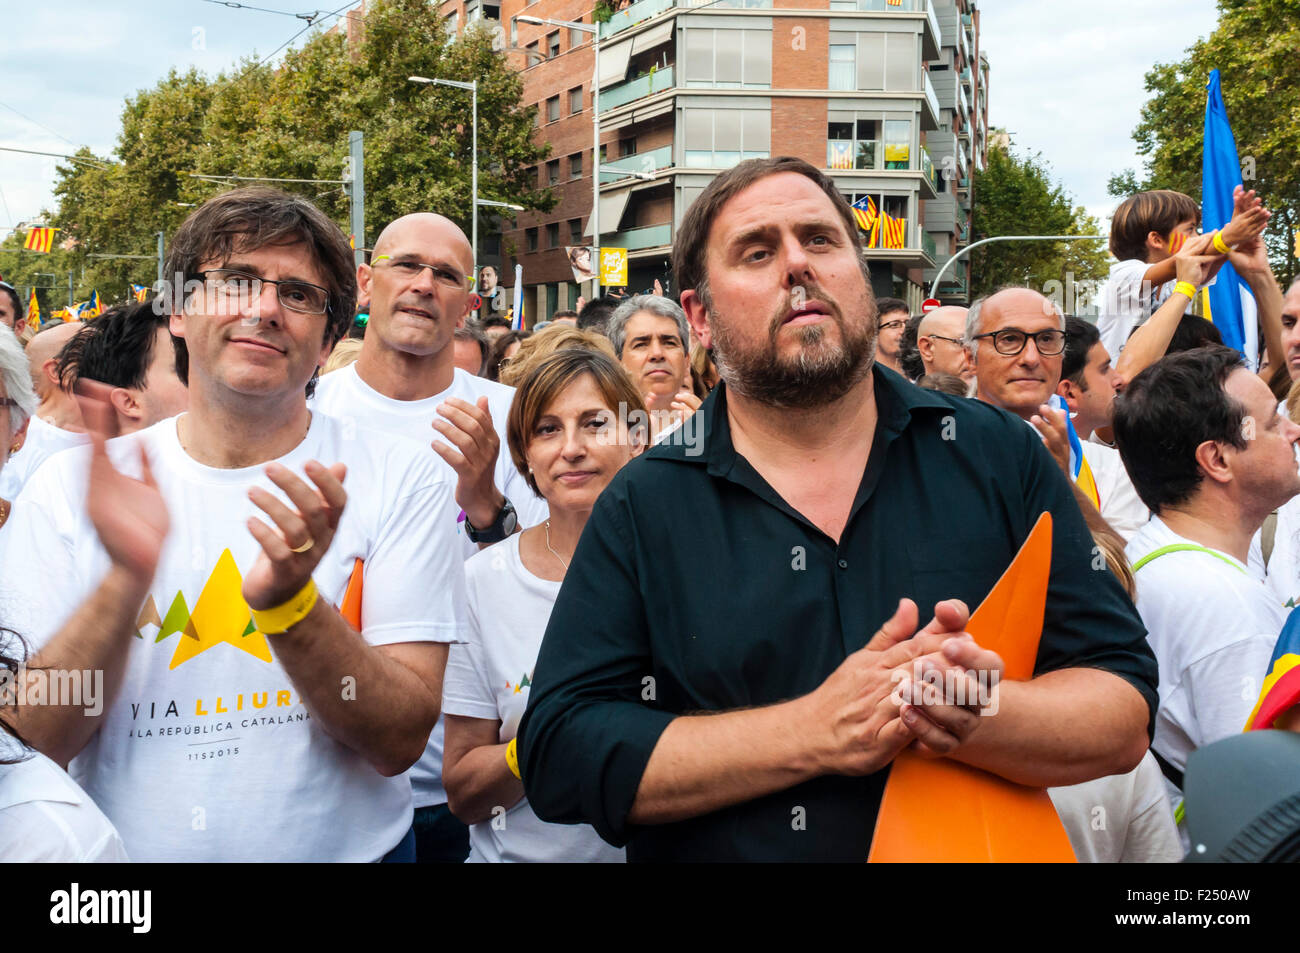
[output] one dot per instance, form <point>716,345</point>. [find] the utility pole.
<point>354,181</point>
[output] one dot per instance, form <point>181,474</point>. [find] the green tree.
<point>292,121</point>
<point>1015,195</point>
<point>1253,47</point>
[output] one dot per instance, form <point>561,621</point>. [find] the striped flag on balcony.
<point>894,3</point>
<point>864,211</point>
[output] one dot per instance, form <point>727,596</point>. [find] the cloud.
<point>1068,79</point>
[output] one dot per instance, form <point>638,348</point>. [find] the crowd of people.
<point>643,582</point>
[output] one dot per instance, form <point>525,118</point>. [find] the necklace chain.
<point>553,552</point>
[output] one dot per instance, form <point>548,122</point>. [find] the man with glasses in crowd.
<point>242,718</point>
<point>406,382</point>
<point>892,321</point>
<point>940,344</point>
<point>1016,339</point>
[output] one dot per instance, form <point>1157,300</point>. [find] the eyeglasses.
<point>958,341</point>
<point>300,296</point>
<point>892,325</point>
<point>441,273</point>
<point>1011,341</point>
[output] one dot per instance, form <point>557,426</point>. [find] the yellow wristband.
<point>283,617</point>
<point>512,758</point>
<point>1185,288</point>
<point>1220,245</point>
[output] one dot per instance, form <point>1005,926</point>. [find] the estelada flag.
<point>34,313</point>
<point>139,292</point>
<point>942,810</point>
<point>1282,683</point>
<point>39,239</point>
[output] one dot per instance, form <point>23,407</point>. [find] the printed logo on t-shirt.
<point>220,616</point>
<point>524,682</point>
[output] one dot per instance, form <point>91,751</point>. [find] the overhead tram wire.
<point>309,17</point>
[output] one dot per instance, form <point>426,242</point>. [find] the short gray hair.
<point>17,376</point>
<point>617,328</point>
<point>973,317</point>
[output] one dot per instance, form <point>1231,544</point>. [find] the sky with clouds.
<point>1066,77</point>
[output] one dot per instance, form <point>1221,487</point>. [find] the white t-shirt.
<point>1123,304</point>
<point>1282,575</point>
<point>43,440</point>
<point>343,394</point>
<point>46,818</point>
<point>207,752</point>
<point>489,678</point>
<point>1121,506</point>
<point>1212,625</point>
<point>1120,819</point>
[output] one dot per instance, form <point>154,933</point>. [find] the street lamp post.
<point>472,86</point>
<point>594,30</point>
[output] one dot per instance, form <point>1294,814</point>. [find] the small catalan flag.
<point>34,313</point>
<point>864,212</point>
<point>39,239</point>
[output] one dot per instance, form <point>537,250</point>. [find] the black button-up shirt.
<point>696,587</point>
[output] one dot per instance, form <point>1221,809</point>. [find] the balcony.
<point>927,168</point>
<point>642,10</point>
<point>654,82</point>
<point>634,239</point>
<point>648,162</point>
<point>930,119</point>
<point>929,247</point>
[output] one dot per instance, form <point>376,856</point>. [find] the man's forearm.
<point>703,763</point>
<point>479,782</point>
<point>96,639</point>
<point>365,700</point>
<point>1061,728</point>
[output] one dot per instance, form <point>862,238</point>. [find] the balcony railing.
<point>637,12</point>
<point>928,246</point>
<point>927,166</point>
<point>649,236</point>
<point>649,162</point>
<point>930,96</point>
<point>639,88</point>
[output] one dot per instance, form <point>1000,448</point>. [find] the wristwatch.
<point>505,524</point>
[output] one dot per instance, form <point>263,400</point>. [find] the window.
<point>627,147</point>
<point>575,100</point>
<point>553,172</point>
<point>575,234</point>
<point>530,236</point>
<point>553,235</point>
<point>897,208</point>
<point>553,44</point>
<point>843,73</point>
<point>720,138</point>
<point>452,22</point>
<point>898,144</point>
<point>901,62</point>
<point>854,141</point>
<point>553,109</point>
<point>576,37</point>
<point>575,165</point>
<point>531,54</point>
<point>728,58</point>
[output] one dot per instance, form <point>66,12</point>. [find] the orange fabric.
<point>350,609</point>
<point>941,810</point>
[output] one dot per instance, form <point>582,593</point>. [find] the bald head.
<point>424,234</point>
<point>982,316</point>
<point>938,341</point>
<point>45,347</point>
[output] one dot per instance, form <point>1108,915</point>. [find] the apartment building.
<point>888,96</point>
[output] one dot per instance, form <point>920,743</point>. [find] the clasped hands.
<point>871,708</point>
